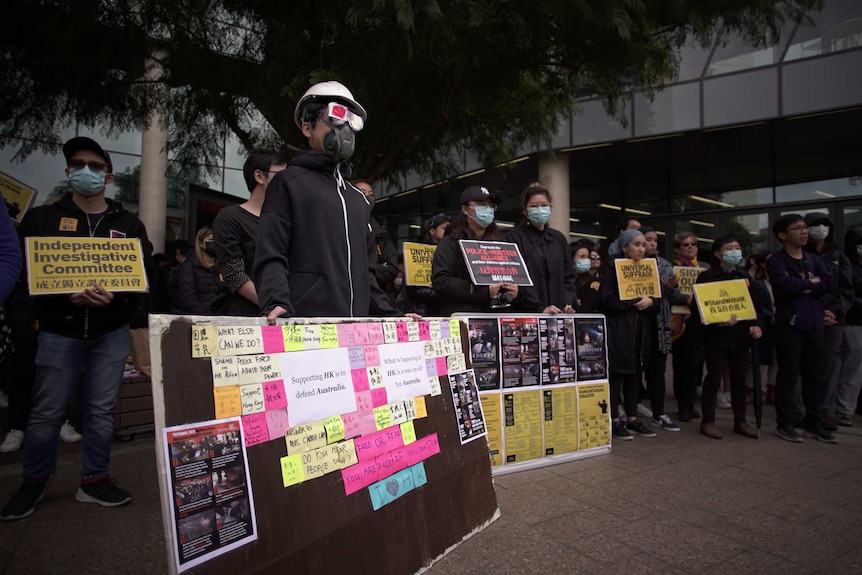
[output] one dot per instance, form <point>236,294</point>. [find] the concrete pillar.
<point>554,175</point>
<point>152,202</point>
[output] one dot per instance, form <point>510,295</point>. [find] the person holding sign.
<point>631,332</point>
<point>546,253</point>
<point>88,329</point>
<point>726,343</point>
<point>422,299</point>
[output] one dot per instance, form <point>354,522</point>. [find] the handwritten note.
<point>277,423</point>
<point>364,401</point>
<point>397,414</point>
<point>375,334</point>
<point>292,337</point>
<point>239,340</point>
<point>434,328</point>
<point>334,429</point>
<point>305,437</point>
<point>273,338</point>
<point>434,383</point>
<point>361,336</point>
<point>273,395</point>
<point>378,397</point>
<point>455,329</point>
<point>224,371</point>
<point>424,330</point>
<point>346,336</point>
<point>252,398</point>
<point>358,423</point>
<point>375,377</point>
<point>292,470</point>
<point>227,401</point>
<point>372,355</point>
<point>408,432</point>
<point>390,332</point>
<point>357,357</point>
<point>204,341</point>
<point>254,429</point>
<point>311,337</point>
<point>328,336</point>
<point>419,404</point>
<point>368,447</point>
<point>382,417</point>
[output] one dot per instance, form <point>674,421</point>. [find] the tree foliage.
<point>441,79</point>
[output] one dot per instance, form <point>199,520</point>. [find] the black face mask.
<point>339,142</point>
<point>209,248</point>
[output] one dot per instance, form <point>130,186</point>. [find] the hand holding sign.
<point>643,303</point>
<point>96,296</point>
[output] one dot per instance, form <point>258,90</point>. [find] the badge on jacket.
<point>595,285</point>
<point>68,224</point>
<point>116,234</point>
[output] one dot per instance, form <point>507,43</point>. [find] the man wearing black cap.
<point>88,329</point>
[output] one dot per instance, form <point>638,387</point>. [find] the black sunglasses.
<point>94,166</point>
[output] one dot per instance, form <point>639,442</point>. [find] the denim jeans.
<point>59,361</point>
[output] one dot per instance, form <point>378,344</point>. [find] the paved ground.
<point>679,503</point>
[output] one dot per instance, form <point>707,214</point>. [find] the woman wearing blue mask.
<point>546,253</point>
<point>727,343</point>
<point>587,280</point>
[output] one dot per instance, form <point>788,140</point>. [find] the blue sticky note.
<point>419,478</point>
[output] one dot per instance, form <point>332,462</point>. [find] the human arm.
<point>10,254</point>
<point>228,240</point>
<point>445,279</point>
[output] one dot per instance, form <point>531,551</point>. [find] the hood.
<point>852,238</point>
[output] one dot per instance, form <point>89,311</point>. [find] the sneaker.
<point>819,433</point>
<point>639,428</point>
<point>788,433</point>
<point>664,422</point>
<point>104,492</point>
<point>13,442</point>
<point>644,411</point>
<point>68,433</point>
<point>4,399</point>
<point>722,400</point>
<point>841,419</point>
<point>620,432</point>
<point>745,430</point>
<point>24,501</point>
<point>829,424</point>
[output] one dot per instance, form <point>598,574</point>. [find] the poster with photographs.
<point>468,408</point>
<point>212,507</point>
<point>557,342</point>
<point>485,352</point>
<point>520,351</point>
<point>590,341</point>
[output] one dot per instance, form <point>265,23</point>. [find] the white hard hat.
<point>328,91</point>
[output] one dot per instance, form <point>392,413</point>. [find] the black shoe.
<point>820,433</point>
<point>105,493</point>
<point>799,423</point>
<point>24,501</point>
<point>829,425</point>
<point>684,416</point>
<point>695,414</point>
<point>641,429</point>
<point>788,433</point>
<point>844,420</point>
<point>620,432</point>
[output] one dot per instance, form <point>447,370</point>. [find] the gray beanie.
<point>626,237</point>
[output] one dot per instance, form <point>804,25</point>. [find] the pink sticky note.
<point>399,459</point>
<point>360,334</point>
<point>370,446</point>
<point>254,429</point>
<point>352,477</point>
<point>431,444</point>
<point>276,423</point>
<point>372,355</point>
<point>378,397</point>
<point>360,379</point>
<point>345,335</point>
<point>364,401</point>
<point>357,423</point>
<point>401,330</point>
<point>393,437</point>
<point>375,334</point>
<point>385,465</point>
<point>424,330</point>
<point>412,454</point>
<point>273,339</point>
<point>442,367</point>
<point>273,394</point>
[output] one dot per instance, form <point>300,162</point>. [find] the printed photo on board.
<point>485,351</point>
<point>468,409</point>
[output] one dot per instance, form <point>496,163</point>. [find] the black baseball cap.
<point>75,145</point>
<point>478,194</point>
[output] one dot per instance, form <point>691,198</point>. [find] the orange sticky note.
<point>228,402</point>
<point>419,405</point>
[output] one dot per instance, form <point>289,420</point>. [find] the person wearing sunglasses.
<point>315,253</point>
<point>88,328</point>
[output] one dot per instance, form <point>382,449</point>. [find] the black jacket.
<point>588,297</point>
<point>57,314</point>
<point>631,333</point>
<point>387,255</point>
<point>837,262</point>
<point>726,338</point>
<point>546,253</point>
<point>315,253</point>
<point>198,287</point>
<point>790,279</point>
<point>851,240</point>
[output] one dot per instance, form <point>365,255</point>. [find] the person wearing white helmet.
<point>315,251</point>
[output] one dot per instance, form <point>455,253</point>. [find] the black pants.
<point>629,384</point>
<point>22,373</point>
<point>655,380</point>
<point>735,361</point>
<point>687,370</point>
<point>798,356</point>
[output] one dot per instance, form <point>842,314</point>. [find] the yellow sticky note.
<point>292,337</point>
<point>204,342</point>
<point>292,470</point>
<point>434,382</point>
<point>419,405</point>
<point>334,429</point>
<point>342,454</point>
<point>311,336</point>
<point>455,329</point>
<point>328,336</point>
<point>382,417</point>
<point>228,402</point>
<point>305,437</point>
<point>408,432</point>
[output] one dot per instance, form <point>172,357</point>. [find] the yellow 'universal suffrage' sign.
<point>17,194</point>
<point>637,279</point>
<point>717,301</point>
<point>417,263</point>
<point>685,278</point>
<point>70,265</point>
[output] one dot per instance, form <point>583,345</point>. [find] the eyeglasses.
<point>338,115</point>
<point>802,228</point>
<point>81,164</point>
<point>688,245</point>
<point>595,257</point>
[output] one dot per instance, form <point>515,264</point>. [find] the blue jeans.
<point>59,361</point>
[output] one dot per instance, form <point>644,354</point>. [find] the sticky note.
<point>357,423</point>
<point>227,401</point>
<point>412,331</point>
<point>424,330</point>
<point>343,454</point>
<point>444,329</point>
<point>254,429</point>
<point>252,398</point>
<point>273,395</point>
<point>311,337</point>
<point>305,437</point>
<point>225,371</point>
<point>431,367</point>
<point>399,459</point>
<point>442,366</point>
<point>345,333</point>
<point>456,363</point>
<point>455,329</point>
<point>410,409</point>
<point>334,429</point>
<point>434,329</point>
<point>314,463</point>
<point>356,354</point>
<point>204,342</point>
<point>239,340</point>
<point>387,490</point>
<point>328,336</point>
<point>273,338</point>
<point>372,356</point>
<point>382,417</point>
<point>419,404</point>
<point>353,479</point>
<point>390,332</point>
<point>385,465</point>
<point>368,447</point>
<point>401,331</point>
<point>360,334</point>
<point>268,365</point>
<point>292,337</point>
<point>359,377</point>
<point>276,423</point>
<point>248,371</point>
<point>397,415</point>
<point>408,432</point>
<point>363,401</point>
<point>375,377</point>
<point>375,334</point>
<point>292,470</point>
<point>429,350</point>
<point>378,397</point>
<point>434,382</point>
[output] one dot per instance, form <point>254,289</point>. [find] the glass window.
<point>822,84</point>
<point>703,227</point>
<point>234,183</point>
<point>740,98</point>
<point>713,200</point>
<point>752,230</point>
<point>819,191</point>
<point>594,125</point>
<point>837,27</point>
<point>693,58</point>
<point>734,54</point>
<point>852,217</point>
<point>675,109</point>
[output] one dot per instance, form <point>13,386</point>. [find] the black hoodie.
<point>842,300</point>
<point>853,238</point>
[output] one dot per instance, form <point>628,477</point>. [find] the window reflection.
<point>752,231</point>
<point>736,54</point>
<point>821,190</point>
<point>838,27</point>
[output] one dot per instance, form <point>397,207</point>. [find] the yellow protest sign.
<point>17,194</point>
<point>417,263</point>
<point>70,265</point>
<point>716,301</point>
<point>685,278</point>
<point>637,278</point>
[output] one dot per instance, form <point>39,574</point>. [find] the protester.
<point>798,282</point>
<point>315,253</point>
<point>765,302</point>
<point>199,282</point>
<point>850,377</point>
<point>10,254</point>
<point>587,281</point>
<point>545,252</point>
<point>235,232</point>
<point>387,255</point>
<point>630,337</point>
<point>89,328</point>
<point>423,300</point>
<point>625,223</point>
<point>595,261</point>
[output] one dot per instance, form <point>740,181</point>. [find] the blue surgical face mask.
<point>732,257</point>
<point>538,216</point>
<point>87,182</point>
<point>484,216</point>
<point>582,266</point>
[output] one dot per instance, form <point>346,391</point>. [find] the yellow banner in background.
<point>417,263</point>
<point>685,276</point>
<point>637,278</point>
<point>70,264</point>
<point>717,301</point>
<point>16,194</point>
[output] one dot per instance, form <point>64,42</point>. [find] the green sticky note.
<point>334,429</point>
<point>328,336</point>
<point>382,417</point>
<point>291,470</point>
<point>292,337</point>
<point>455,329</point>
<point>408,432</point>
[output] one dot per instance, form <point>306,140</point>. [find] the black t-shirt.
<point>235,236</point>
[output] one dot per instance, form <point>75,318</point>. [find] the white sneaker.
<point>722,400</point>
<point>644,411</point>
<point>4,399</point>
<point>68,433</point>
<point>13,442</point>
